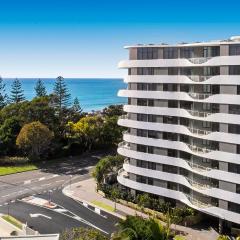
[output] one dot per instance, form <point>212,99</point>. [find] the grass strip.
<point>103,205</point>
<point>13,221</point>
<point>5,170</point>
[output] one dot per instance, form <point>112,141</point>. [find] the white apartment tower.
<point>183,121</point>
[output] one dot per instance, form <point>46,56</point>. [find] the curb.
<point>68,193</point>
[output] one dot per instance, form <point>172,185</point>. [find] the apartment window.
<point>170,87</point>
<point>172,153</point>
<point>152,118</point>
<point>234,128</point>
<point>234,168</point>
<point>151,149</point>
<point>141,179</point>
<point>237,188</point>
<point>152,134</point>
<point>170,53</point>
<point>142,117</point>
<point>234,50</point>
<point>142,102</point>
<point>152,165</point>
<point>186,52</point>
<point>172,71</point>
<point>147,53</point>
<point>150,181</point>
<point>141,133</point>
<point>141,148</point>
<point>172,103</point>
<point>211,51</point>
<point>234,70</point>
<point>206,124</point>
<point>142,86</point>
<point>206,106</point>
<point>170,169</point>
<point>172,186</point>
<point>234,109</point>
<point>152,87</point>
<point>142,164</point>
<point>234,207</point>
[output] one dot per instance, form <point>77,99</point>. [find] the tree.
<point>8,134</point>
<point>87,130</point>
<point>40,89</point>
<point>34,138</point>
<point>75,112</point>
<point>76,106</point>
<point>61,93</point>
<point>115,194</point>
<point>82,234</point>
<point>17,92</point>
<point>138,228</point>
<point>107,165</point>
<point>113,110</point>
<point>143,201</point>
<point>3,95</point>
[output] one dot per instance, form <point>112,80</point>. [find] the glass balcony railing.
<point>199,78</point>
<point>123,116</point>
<point>198,203</point>
<point>199,60</point>
<point>198,185</point>
<point>197,167</point>
<point>198,131</point>
<point>197,149</point>
<point>199,96</point>
<point>198,114</point>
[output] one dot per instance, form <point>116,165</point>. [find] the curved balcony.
<point>198,114</point>
<point>124,145</point>
<point>197,203</point>
<point>199,60</point>
<point>199,96</point>
<point>197,78</point>
<point>197,167</point>
<point>123,117</point>
<point>198,185</point>
<point>198,131</point>
<point>197,149</point>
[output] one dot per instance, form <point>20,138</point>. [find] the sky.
<point>75,38</point>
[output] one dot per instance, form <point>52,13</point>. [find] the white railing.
<point>197,149</point>
<point>198,167</point>
<point>198,131</point>
<point>197,184</point>
<point>199,96</point>
<point>123,173</point>
<point>124,145</point>
<point>197,78</point>
<point>198,203</point>
<point>198,114</point>
<point>199,60</point>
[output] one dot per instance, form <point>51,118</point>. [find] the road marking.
<point>60,210</point>
<point>5,195</point>
<point>60,181</point>
<point>13,201</point>
<point>27,182</point>
<point>46,184</point>
<point>42,178</point>
<point>35,215</point>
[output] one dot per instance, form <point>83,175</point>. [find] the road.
<point>51,177</point>
<point>73,214</point>
<point>51,180</point>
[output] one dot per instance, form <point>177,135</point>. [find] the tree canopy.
<point>40,89</point>
<point>34,138</point>
<point>17,92</point>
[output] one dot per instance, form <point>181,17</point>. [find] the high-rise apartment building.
<point>183,121</point>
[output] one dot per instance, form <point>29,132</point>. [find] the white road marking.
<point>5,195</point>
<point>27,182</point>
<point>60,181</point>
<point>35,215</point>
<point>46,184</point>
<point>42,178</point>
<point>60,210</point>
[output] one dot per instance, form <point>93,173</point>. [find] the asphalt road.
<point>51,177</point>
<point>54,177</point>
<point>47,221</point>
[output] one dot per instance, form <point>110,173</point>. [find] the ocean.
<point>93,94</point>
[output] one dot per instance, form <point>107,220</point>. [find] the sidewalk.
<point>84,191</point>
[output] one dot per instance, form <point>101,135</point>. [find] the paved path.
<point>84,191</point>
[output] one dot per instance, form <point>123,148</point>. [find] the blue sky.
<point>47,38</point>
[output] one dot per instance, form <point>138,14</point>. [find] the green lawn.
<point>17,169</point>
<point>103,205</point>
<point>13,221</point>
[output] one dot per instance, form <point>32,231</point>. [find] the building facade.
<point>183,121</point>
